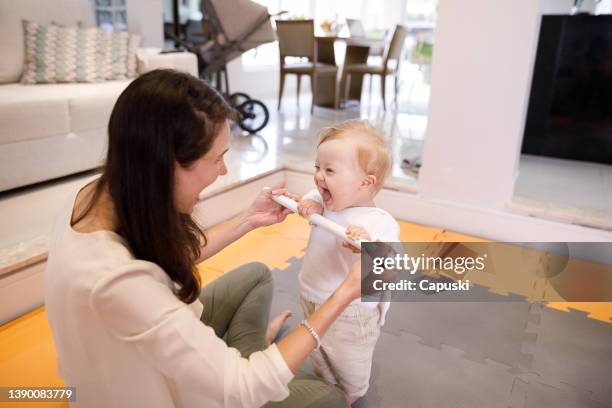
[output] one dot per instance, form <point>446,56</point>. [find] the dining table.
<point>358,49</point>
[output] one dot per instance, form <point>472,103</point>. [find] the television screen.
<point>570,106</point>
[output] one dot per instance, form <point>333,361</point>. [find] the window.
<point>111,15</point>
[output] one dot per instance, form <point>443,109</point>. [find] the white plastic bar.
<point>319,220</point>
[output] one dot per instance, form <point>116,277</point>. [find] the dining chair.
<point>390,65</point>
<point>296,39</point>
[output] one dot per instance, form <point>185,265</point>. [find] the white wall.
<point>262,83</point>
<point>394,13</point>
<point>481,74</point>
<point>564,6</point>
<point>604,7</point>
<point>145,18</point>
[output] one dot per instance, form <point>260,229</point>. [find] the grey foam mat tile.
<point>533,394</point>
<point>286,280</point>
<point>572,350</point>
<point>409,373</point>
<point>494,330</point>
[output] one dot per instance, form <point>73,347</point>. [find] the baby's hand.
<point>356,234</point>
<point>308,207</point>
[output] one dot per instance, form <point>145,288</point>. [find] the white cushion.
<point>27,162</point>
<point>12,12</point>
<point>92,104</point>
<point>25,116</point>
<point>37,111</point>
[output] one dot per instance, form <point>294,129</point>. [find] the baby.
<point>351,165</point>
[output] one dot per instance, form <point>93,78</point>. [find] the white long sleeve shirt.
<point>123,339</point>
<point>326,264</point>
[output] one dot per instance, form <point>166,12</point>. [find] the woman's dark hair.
<point>162,117</point>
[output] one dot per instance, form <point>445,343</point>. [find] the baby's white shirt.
<point>326,263</point>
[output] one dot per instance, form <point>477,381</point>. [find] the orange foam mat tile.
<point>449,236</point>
<point>27,357</point>
<point>294,227</point>
<point>269,246</point>
<point>596,310</point>
<point>208,274</point>
<point>411,232</point>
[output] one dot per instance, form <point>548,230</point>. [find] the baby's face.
<point>338,175</point>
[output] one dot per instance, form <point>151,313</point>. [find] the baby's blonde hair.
<point>372,152</point>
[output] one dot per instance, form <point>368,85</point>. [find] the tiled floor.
<point>544,186</point>
<point>572,183</point>
<point>568,191</point>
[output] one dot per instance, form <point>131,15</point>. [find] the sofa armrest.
<point>150,59</point>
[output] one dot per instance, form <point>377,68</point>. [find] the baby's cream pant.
<point>345,356</point>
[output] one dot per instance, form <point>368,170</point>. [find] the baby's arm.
<point>310,204</point>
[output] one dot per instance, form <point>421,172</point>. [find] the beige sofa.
<point>52,130</point>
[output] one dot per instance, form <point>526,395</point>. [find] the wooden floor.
<point>27,355</point>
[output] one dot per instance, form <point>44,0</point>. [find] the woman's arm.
<point>223,234</point>
<point>298,344</point>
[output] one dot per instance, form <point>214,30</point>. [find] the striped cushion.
<point>118,54</point>
<point>68,54</point>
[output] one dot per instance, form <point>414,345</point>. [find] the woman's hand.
<point>308,207</point>
<point>264,210</point>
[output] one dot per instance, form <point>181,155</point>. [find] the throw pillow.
<point>55,53</point>
<point>118,54</point>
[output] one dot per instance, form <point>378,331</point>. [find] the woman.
<point>131,326</point>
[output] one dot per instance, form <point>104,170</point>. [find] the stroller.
<point>230,28</point>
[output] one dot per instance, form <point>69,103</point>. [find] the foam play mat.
<point>435,354</point>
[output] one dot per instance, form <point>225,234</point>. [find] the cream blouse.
<point>123,339</point>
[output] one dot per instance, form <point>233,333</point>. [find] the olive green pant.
<point>237,307</point>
